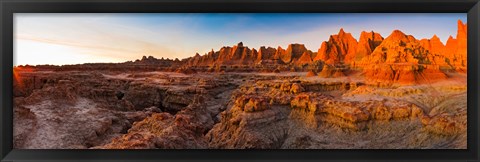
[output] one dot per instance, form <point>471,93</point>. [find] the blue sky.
<point>80,38</point>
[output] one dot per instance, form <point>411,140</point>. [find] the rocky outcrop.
<point>253,103</point>
<point>265,59</point>
<point>400,59</point>
<point>66,120</point>
<point>444,124</point>
<point>340,48</point>
<point>367,43</point>
<point>456,48</point>
<point>266,54</point>
<point>397,48</point>
<point>436,50</point>
<point>265,111</point>
<point>236,55</point>
<point>291,115</point>
<point>105,104</point>
<point>183,131</point>
<point>242,128</point>
<point>462,44</point>
<point>453,54</point>
<point>293,52</point>
<point>330,71</point>
<point>305,58</point>
<point>353,114</point>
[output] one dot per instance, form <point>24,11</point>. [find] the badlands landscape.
<point>378,92</point>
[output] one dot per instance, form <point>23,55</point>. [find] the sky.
<point>74,38</point>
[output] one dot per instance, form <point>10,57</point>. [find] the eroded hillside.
<point>395,92</point>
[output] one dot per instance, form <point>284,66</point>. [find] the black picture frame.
<point>9,7</point>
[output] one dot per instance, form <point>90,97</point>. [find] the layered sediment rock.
<point>353,114</point>
<point>251,122</point>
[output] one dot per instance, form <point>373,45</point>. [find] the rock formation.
<point>400,91</point>
<point>367,43</point>
<point>293,52</point>
<point>330,71</point>
<point>401,59</point>
<point>340,48</point>
<point>162,130</point>
<point>399,50</point>
<point>456,48</point>
<point>266,54</point>
<point>305,58</point>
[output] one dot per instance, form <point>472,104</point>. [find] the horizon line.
<point>181,59</point>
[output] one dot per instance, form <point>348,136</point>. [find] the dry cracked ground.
<point>288,110</point>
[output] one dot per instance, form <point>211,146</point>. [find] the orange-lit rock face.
<point>293,52</point>
<point>396,48</point>
<point>403,74</point>
<point>278,54</point>
<point>434,45</point>
<point>402,59</point>
<point>436,49</point>
<point>305,58</point>
<point>266,53</point>
<point>340,48</point>
<point>367,43</point>
<point>236,55</point>
<point>461,53</point>
<point>451,48</point>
